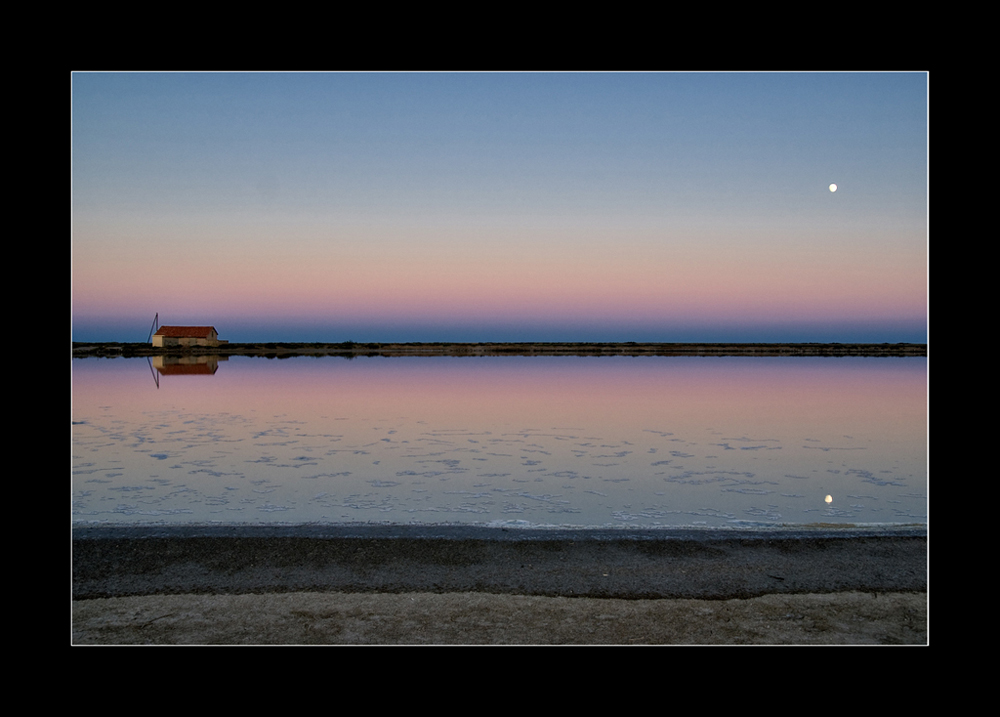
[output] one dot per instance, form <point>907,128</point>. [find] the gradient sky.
<point>501,207</point>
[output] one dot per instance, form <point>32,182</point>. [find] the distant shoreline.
<point>351,348</point>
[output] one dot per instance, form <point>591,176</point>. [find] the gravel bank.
<point>453,585</point>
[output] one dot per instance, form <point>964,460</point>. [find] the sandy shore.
<point>852,618</point>
<point>417,586</point>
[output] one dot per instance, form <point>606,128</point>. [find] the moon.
<point>833,187</point>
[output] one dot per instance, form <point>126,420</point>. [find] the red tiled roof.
<point>178,332</point>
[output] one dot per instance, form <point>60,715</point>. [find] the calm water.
<point>567,441</point>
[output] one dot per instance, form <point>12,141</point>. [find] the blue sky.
<point>521,206</point>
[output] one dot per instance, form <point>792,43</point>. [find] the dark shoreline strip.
<point>350,349</point>
<point>113,562</point>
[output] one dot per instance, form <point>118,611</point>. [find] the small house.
<point>186,336</point>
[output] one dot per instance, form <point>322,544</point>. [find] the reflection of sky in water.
<point>541,441</point>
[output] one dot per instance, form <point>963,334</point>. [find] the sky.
<point>501,206</point>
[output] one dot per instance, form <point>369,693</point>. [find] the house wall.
<point>167,341</point>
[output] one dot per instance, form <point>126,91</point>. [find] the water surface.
<point>533,441</point>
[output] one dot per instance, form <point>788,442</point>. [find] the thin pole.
<point>156,376</point>
<point>153,327</point>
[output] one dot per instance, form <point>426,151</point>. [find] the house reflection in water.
<point>187,365</point>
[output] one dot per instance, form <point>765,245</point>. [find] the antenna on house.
<point>153,328</point>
